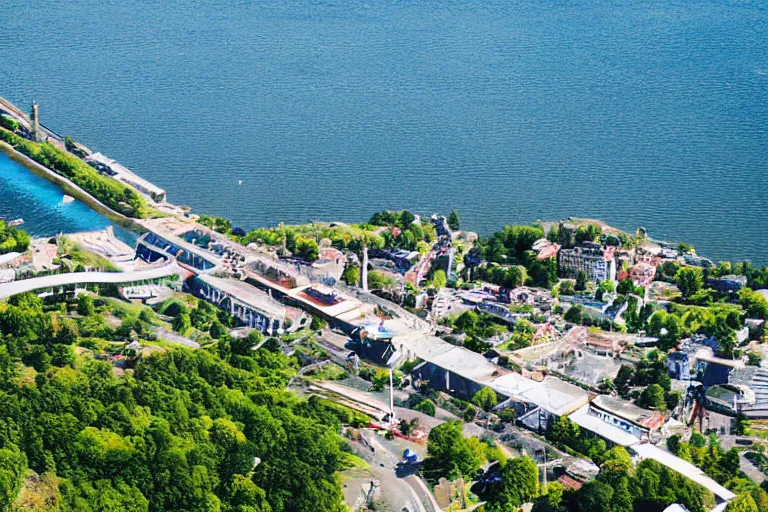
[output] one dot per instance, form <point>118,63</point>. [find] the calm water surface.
<point>639,113</point>
<point>39,202</point>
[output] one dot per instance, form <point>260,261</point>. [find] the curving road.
<point>56,280</point>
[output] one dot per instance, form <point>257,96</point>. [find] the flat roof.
<point>245,293</point>
<point>705,354</point>
<point>552,394</point>
<point>514,384</point>
<point>344,305</point>
<point>594,424</point>
<point>557,396</point>
<point>458,360</point>
<point>649,451</point>
<point>8,257</point>
<point>629,411</point>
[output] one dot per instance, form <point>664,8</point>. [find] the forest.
<point>12,239</point>
<point>176,429</point>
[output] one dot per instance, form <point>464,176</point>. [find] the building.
<point>727,284</point>
<point>253,307</point>
<point>545,249</point>
<point>642,274</point>
<point>151,247</point>
<point>112,168</point>
<point>500,311</point>
<point>639,422</point>
<point>679,365</point>
<point>750,383</point>
<point>697,261</point>
<point>13,260</point>
<point>729,399</point>
<point>756,327</point>
<point>595,261</point>
<point>455,370</point>
<point>402,259</point>
<point>539,403</point>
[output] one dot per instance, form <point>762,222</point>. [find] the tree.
<point>689,280</point>
<point>574,314</point>
<point>454,222</point>
<point>217,330</point>
<point>603,288</point>
<point>351,275</point>
<point>652,397</point>
<point>581,281</point>
<point>742,503</point>
<point>406,219</point>
<point>551,498</point>
<point>307,249</point>
<point>514,276</point>
<point>566,287</point>
<point>85,305</point>
<point>182,323</point>
<point>485,399</point>
<point>588,233</point>
<point>595,496</point>
<point>519,484</point>
<point>426,406</point>
<point>450,451</point>
<point>467,321</point>
<point>754,304</point>
<point>13,465</point>
<point>439,279</point>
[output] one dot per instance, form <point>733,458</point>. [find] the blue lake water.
<point>39,202</point>
<point>647,113</point>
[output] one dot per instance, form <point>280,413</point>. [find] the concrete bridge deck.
<point>58,280</point>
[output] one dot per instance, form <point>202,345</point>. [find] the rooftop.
<point>458,360</point>
<point>643,417</point>
<point>649,451</point>
<point>556,396</point>
<point>8,257</point>
<point>245,293</point>
<point>594,424</point>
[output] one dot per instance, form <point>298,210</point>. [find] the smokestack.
<point>35,122</point>
<point>364,270</point>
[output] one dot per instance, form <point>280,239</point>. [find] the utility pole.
<point>391,399</point>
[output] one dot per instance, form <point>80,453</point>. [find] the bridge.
<point>168,269</point>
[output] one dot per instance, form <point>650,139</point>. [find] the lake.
<point>649,114</point>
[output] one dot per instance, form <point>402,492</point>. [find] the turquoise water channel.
<point>41,204</point>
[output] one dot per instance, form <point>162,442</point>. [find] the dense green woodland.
<point>620,486</point>
<point>179,432</point>
<point>12,239</point>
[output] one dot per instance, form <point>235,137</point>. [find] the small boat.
<point>67,199</point>
<point>16,222</point>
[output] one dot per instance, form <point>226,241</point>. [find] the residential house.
<point>596,261</point>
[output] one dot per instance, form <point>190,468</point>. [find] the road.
<point>172,337</point>
<point>77,278</point>
<point>409,493</point>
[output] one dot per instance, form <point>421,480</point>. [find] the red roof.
<point>570,483</point>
